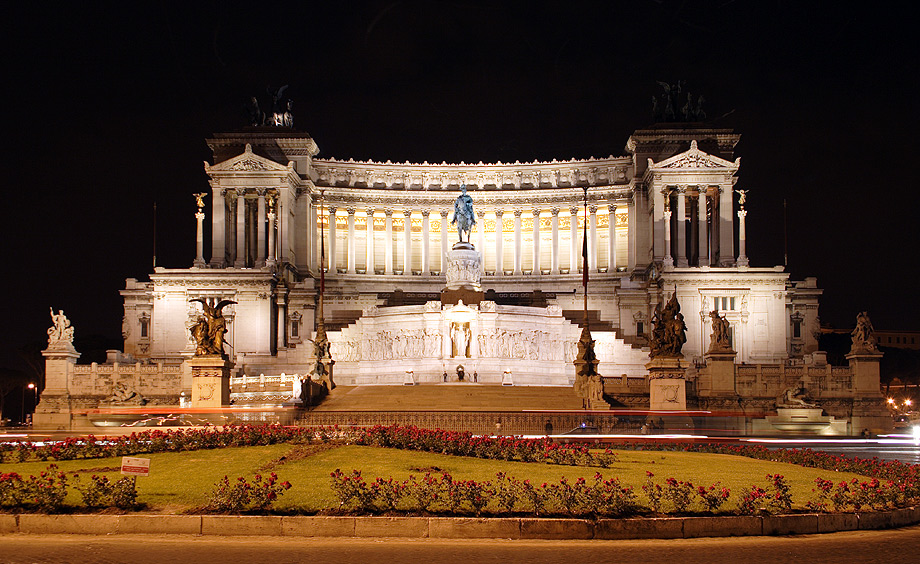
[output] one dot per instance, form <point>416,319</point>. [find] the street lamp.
<point>22,405</point>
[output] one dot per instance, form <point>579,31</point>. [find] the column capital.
<point>536,212</point>
<point>426,213</point>
<point>351,211</point>
<point>388,212</point>
<point>554,211</point>
<point>199,216</point>
<point>332,209</point>
<point>444,213</point>
<point>517,213</point>
<point>612,208</point>
<point>592,208</point>
<point>407,213</point>
<point>499,213</point>
<point>667,216</point>
<point>742,214</point>
<point>573,210</point>
<point>370,211</point>
<point>261,192</point>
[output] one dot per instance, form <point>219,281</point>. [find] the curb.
<point>458,527</point>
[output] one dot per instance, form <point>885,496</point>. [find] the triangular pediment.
<point>247,162</point>
<point>694,158</point>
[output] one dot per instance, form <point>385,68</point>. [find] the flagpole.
<point>584,258</point>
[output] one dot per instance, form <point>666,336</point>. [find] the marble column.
<point>611,238</point>
<point>668,261</point>
<point>536,242</point>
<point>726,243</point>
<point>260,231</point>
<point>369,246</point>
<point>573,225</point>
<point>499,237</point>
<point>218,228</point>
<point>481,234</point>
<point>517,242</point>
<point>554,259</point>
<point>199,240</point>
<point>333,267</point>
<point>271,239</point>
<point>351,241</point>
<point>240,261</point>
<point>388,248</point>
<point>285,249</point>
<point>426,266</point>
<point>742,246</point>
<point>407,250</point>
<point>632,235</point>
<point>703,233</point>
<point>281,306</point>
<point>682,227</point>
<point>592,238</point>
<point>444,235</point>
<point>313,235</point>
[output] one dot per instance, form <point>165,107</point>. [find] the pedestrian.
<point>498,427</point>
<point>548,428</point>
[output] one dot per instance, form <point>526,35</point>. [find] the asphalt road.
<point>857,547</point>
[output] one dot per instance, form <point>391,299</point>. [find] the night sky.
<point>107,107</point>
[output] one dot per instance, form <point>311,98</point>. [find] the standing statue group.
<point>210,328</point>
<point>721,340</point>
<point>670,332</point>
<point>61,332</point>
<point>281,114</point>
<point>863,335</point>
<point>464,217</point>
<point>668,107</point>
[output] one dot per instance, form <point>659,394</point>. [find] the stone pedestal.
<point>865,367</point>
<point>210,381</point>
<point>869,411</point>
<point>720,373</point>
<point>55,411</point>
<point>464,274</point>
<point>667,384</point>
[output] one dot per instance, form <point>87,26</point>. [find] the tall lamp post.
<point>22,410</point>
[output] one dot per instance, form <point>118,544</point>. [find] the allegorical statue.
<point>864,335</point>
<point>60,334</point>
<point>795,397</point>
<point>721,338</point>
<point>670,332</point>
<point>210,328</point>
<point>464,217</point>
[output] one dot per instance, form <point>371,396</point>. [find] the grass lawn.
<point>182,481</point>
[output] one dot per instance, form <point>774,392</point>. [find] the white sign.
<point>135,466</point>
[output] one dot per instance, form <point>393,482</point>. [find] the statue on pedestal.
<point>670,332</point>
<point>721,339</point>
<point>464,217</point>
<point>210,328</point>
<point>863,335</point>
<point>60,334</point>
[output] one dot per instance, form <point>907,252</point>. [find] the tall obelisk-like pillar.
<point>199,232</point>
<point>742,242</point>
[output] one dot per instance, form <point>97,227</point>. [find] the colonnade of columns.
<point>243,229</point>
<point>702,237</point>
<point>420,259</point>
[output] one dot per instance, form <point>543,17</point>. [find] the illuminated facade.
<point>660,219</point>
